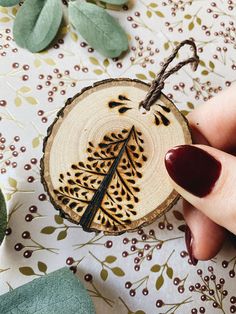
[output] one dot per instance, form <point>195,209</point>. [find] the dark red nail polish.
<point>193,169</point>
<point>189,242</point>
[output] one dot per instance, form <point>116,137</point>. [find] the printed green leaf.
<point>199,21</point>
<point>155,268</point>
<point>110,259</point>
<point>58,219</point>
<point>49,61</point>
<point>159,282</point>
<point>64,30</point>
<point>37,23</point>
<point>141,76</point>
<point>106,63</point>
<point>190,105</point>
<point>31,100</point>
<point>211,65</point>
<point>3,217</point>
<point>149,13</point>
<point>153,5</point>
<point>160,14</point>
<point>104,274</point>
<point>27,271</point>
<point>42,267</point>
<point>37,63</point>
<point>12,182</point>
<point>98,28</point>
<point>184,112</point>
<point>98,71</point>
<point>152,74</point>
<point>188,16</point>
<point>35,142</point>
<point>166,46</point>
<point>118,271</point>
<point>18,101</point>
<point>169,272</point>
<point>8,3</point>
<point>24,89</point>
<point>14,11</point>
<point>48,230</point>
<point>62,235</point>
<point>139,312</point>
<point>202,63</point>
<point>205,72</point>
<point>74,36</point>
<point>190,26</point>
<point>4,19</point>
<point>94,60</point>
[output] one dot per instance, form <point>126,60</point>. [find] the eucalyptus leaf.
<point>3,217</point>
<point>98,28</point>
<point>37,23</point>
<point>8,3</point>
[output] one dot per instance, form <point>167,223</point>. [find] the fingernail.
<point>193,169</point>
<point>189,243</point>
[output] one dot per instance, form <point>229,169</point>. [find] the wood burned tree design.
<point>104,189</point>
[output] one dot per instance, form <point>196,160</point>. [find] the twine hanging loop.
<point>159,82</point>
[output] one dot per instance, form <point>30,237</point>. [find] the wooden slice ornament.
<point>103,163</point>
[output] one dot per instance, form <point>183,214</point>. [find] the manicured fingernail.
<point>193,169</point>
<point>189,243</point>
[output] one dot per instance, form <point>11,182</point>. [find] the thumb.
<point>206,178</point>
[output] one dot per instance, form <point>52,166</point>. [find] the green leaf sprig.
<point>37,23</point>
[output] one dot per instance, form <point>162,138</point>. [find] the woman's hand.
<point>205,175</point>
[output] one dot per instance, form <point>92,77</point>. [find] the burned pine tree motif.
<point>104,188</point>
<point>122,105</point>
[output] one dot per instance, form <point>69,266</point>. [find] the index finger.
<point>215,120</point>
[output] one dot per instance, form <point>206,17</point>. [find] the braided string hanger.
<point>158,84</point>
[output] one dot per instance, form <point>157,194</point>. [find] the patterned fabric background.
<point>143,272</point>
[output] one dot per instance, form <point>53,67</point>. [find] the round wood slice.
<point>103,164</point>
